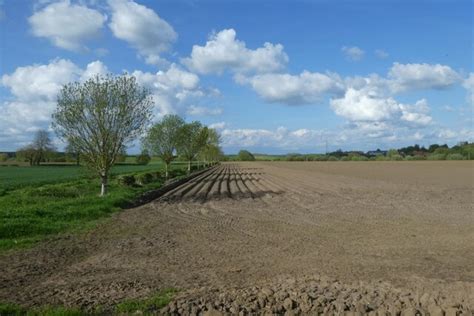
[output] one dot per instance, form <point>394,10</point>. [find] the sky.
<point>270,76</point>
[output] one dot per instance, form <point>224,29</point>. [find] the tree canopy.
<point>245,155</point>
<point>162,139</point>
<point>100,116</point>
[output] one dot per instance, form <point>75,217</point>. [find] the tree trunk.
<point>189,166</point>
<point>166,171</point>
<point>77,160</point>
<point>103,184</point>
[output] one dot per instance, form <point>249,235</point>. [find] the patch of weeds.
<point>7,309</point>
<point>56,191</point>
<point>11,310</point>
<point>148,305</point>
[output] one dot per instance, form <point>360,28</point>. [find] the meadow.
<point>12,177</point>
<point>37,202</point>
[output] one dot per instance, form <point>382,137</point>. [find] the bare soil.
<point>275,237</point>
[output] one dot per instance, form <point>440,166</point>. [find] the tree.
<point>144,158</point>
<point>43,146</point>
<point>163,138</point>
<point>100,116</point>
<point>211,151</point>
<point>3,157</point>
<point>122,155</point>
<point>27,153</point>
<point>245,155</point>
<point>192,138</point>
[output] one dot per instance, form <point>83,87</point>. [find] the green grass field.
<point>36,202</point>
<point>12,177</point>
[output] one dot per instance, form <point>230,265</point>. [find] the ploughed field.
<point>274,237</point>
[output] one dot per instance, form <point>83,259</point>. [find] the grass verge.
<point>33,213</point>
<point>147,306</point>
<point>15,310</point>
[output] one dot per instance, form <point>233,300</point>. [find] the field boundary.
<point>152,195</point>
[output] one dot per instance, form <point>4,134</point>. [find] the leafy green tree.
<point>211,152</point>
<point>27,153</point>
<point>143,158</point>
<point>100,116</point>
<point>162,139</point>
<point>392,152</point>
<point>122,156</point>
<point>3,157</point>
<point>442,150</point>
<point>192,139</point>
<point>245,155</point>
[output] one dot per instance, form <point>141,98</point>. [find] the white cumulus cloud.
<point>41,82</point>
<point>368,105</point>
<point>142,28</point>
<point>305,88</point>
<point>381,54</point>
<point>353,53</point>
<point>172,89</point>
<point>405,77</point>
<point>203,111</point>
<point>93,69</point>
<point>223,51</point>
<point>468,84</point>
<point>218,125</point>
<point>364,105</point>
<point>281,137</point>
<point>67,25</point>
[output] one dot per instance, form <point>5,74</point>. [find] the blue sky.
<point>270,76</point>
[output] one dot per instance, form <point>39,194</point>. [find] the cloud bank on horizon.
<point>272,94</point>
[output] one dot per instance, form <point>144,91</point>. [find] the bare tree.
<point>98,117</point>
<point>39,150</point>
<point>43,146</point>
<point>163,138</point>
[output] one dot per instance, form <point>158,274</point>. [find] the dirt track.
<point>403,229</point>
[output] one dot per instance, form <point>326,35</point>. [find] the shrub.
<point>396,157</point>
<point>392,152</point>
<point>245,155</point>
<point>419,157</point>
<point>437,157</point>
<point>381,158</point>
<point>359,158</point>
<point>156,175</point>
<point>143,159</point>
<point>56,191</point>
<point>345,158</point>
<point>295,157</point>
<point>454,157</point>
<point>332,158</point>
<point>126,180</point>
<point>3,157</point>
<point>144,178</point>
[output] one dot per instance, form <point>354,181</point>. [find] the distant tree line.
<point>40,150</point>
<point>461,151</point>
<point>172,138</point>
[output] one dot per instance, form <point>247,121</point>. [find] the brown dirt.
<point>347,230</point>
